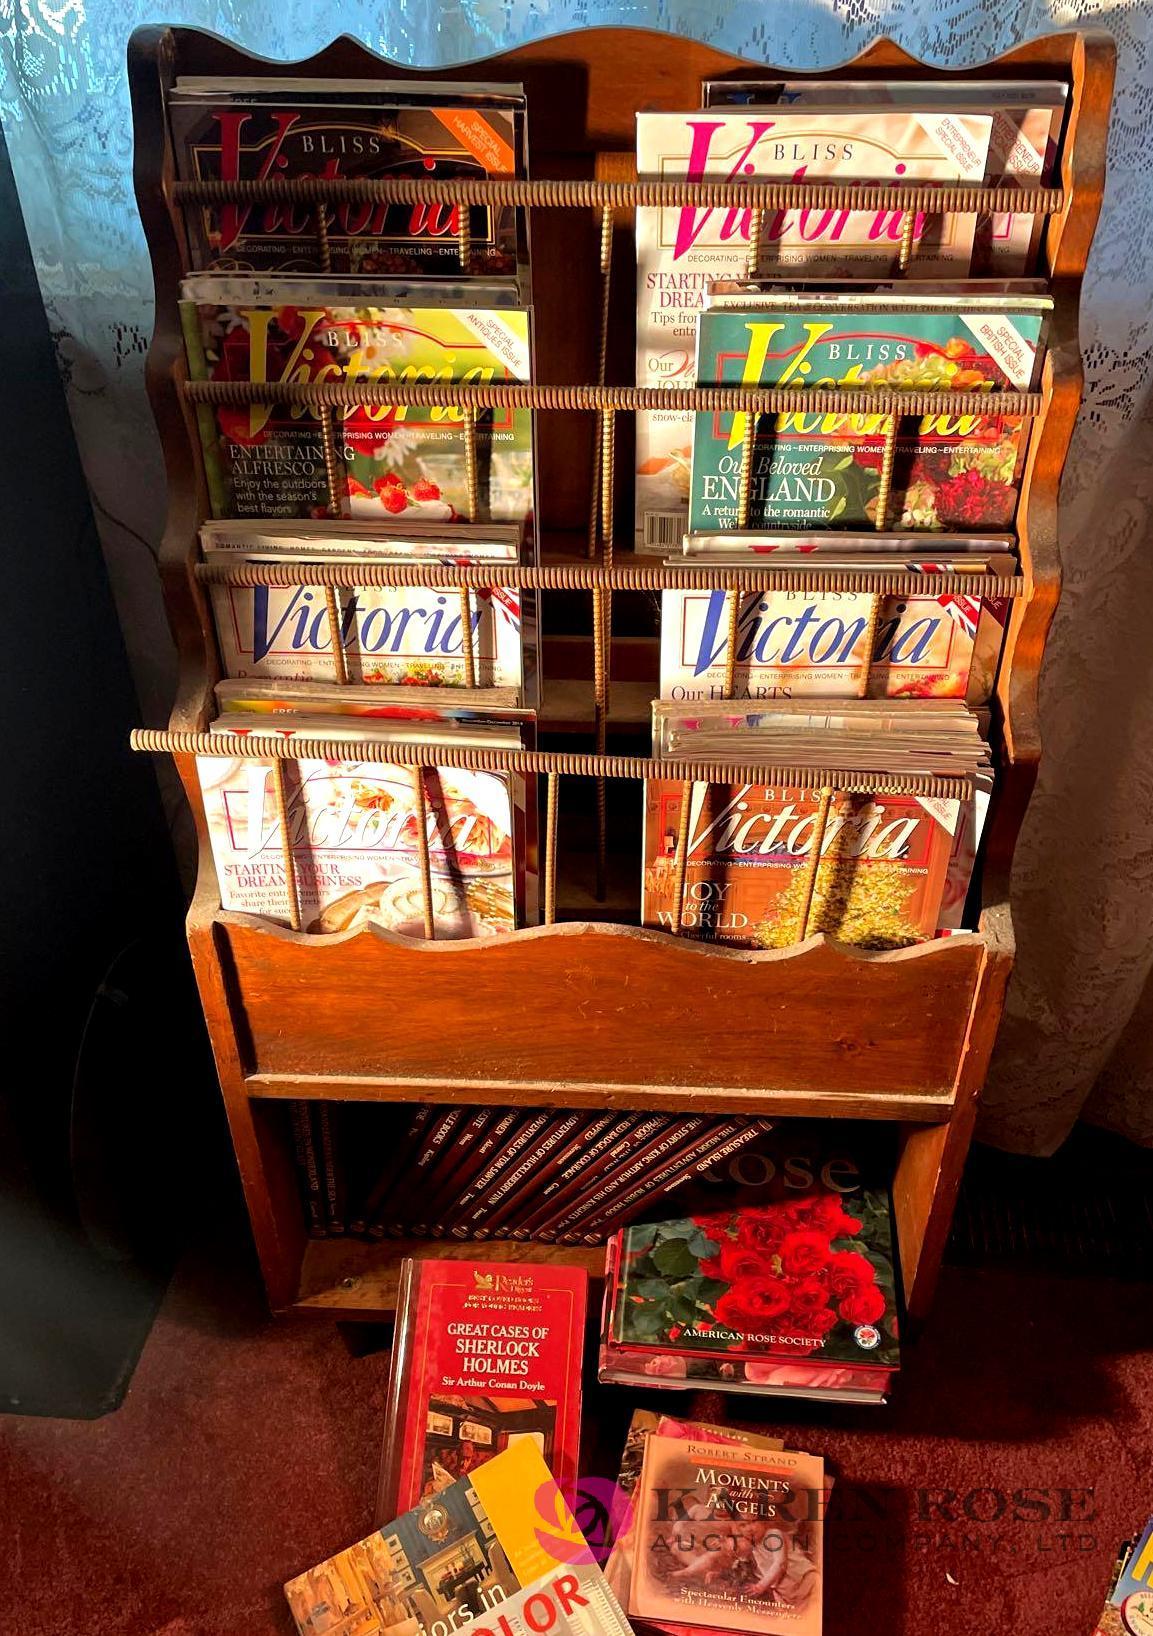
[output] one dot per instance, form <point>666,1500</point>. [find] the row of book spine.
<point>498,1173</point>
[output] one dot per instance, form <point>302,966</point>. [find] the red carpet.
<point>247,1449</point>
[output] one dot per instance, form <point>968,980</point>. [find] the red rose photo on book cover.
<point>792,1287</point>
<point>485,1356</point>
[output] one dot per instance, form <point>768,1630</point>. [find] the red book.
<point>485,1355</point>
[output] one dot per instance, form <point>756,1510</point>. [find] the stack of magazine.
<point>814,299</point>
<point>362,292</point>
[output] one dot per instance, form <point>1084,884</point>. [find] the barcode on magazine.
<point>665,529</point>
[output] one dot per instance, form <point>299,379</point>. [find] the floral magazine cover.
<point>400,464</point>
<point>879,883</point>
<point>791,644</point>
<point>951,472</point>
<point>407,637</point>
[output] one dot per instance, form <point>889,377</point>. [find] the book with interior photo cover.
<point>398,463</point>
<point>729,1537</point>
<point>951,472</point>
<point>249,130</point>
<point>352,829</point>
<point>680,250</point>
<point>498,1552</point>
<point>485,1356</point>
<point>644,1424</point>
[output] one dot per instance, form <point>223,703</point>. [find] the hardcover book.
<point>352,826</point>
<point>400,463</point>
<point>485,1356</point>
<point>879,883</point>
<point>789,1288</point>
<point>644,1424</point>
<point>497,1552</point>
<point>955,473</point>
<point>729,1537</point>
<point>250,130</point>
<point>793,644</point>
<point>679,251</point>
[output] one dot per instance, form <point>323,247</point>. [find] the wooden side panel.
<point>932,1157</point>
<point>574,1005</point>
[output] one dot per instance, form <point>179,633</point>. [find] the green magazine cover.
<point>401,464</point>
<point>950,472</point>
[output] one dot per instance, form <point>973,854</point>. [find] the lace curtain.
<point>1079,1024</point>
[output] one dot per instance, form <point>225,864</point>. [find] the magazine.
<point>956,473</point>
<point>397,463</point>
<point>252,129</point>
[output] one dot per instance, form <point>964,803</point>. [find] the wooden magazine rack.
<point>584,1012</point>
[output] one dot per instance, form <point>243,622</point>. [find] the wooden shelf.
<point>588,1013</point>
<point>349,1279</point>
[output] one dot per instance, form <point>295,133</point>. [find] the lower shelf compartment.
<point>350,1279</point>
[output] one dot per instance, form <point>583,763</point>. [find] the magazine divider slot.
<point>593,1009</point>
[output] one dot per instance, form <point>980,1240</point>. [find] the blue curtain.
<point>1078,1027</point>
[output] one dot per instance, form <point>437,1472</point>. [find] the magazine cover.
<point>793,1285</point>
<point>497,1551</point>
<point>729,1537</point>
<point>951,472</point>
<point>792,644</point>
<point>353,834</point>
<point>879,883</point>
<point>251,130</point>
<point>328,539</point>
<point>680,250</point>
<point>411,636</point>
<point>1023,142</point>
<point>485,1356</point>
<point>401,464</point>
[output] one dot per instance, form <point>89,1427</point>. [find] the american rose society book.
<point>283,129</point>
<point>951,472</point>
<point>485,1356</point>
<point>398,463</point>
<point>787,1285</point>
<point>497,1553</point>
<point>680,250</point>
